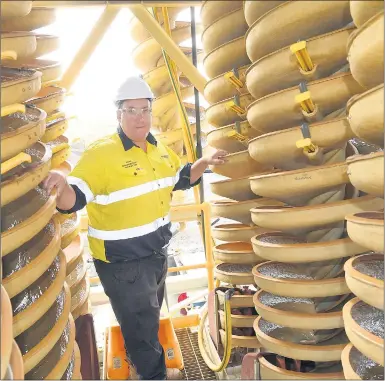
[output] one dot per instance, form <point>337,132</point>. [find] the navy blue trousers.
<point>136,290</point>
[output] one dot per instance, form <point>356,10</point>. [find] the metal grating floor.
<point>194,366</point>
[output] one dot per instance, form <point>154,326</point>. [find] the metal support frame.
<point>171,48</point>
<point>187,136</point>
<point>98,3</point>
<point>196,97</point>
<point>197,116</point>
<point>209,265</point>
<point>158,33</point>
<point>97,33</point>
<point>186,131</point>
<point>171,68</point>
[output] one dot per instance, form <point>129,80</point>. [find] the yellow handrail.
<point>90,43</point>
<point>209,265</point>
<point>15,161</point>
<point>188,267</point>
<point>10,109</point>
<point>164,40</point>
<point>9,55</point>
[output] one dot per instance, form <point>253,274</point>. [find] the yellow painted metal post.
<point>187,136</point>
<point>88,47</point>
<point>208,245</point>
<point>105,352</point>
<point>173,50</point>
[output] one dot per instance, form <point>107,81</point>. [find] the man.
<point>126,181</point>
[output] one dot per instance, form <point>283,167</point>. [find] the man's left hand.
<point>197,169</point>
<point>216,158</point>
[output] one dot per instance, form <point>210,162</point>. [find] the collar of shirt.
<point>128,143</point>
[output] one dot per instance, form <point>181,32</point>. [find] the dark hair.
<point>119,104</point>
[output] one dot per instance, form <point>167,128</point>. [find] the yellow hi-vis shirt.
<point>128,193</point>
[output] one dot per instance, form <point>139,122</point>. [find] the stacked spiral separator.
<point>299,83</point>
<point>225,61</point>
<point>34,265</point>
<point>12,367</point>
<point>363,358</point>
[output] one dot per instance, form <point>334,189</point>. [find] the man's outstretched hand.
<point>216,158</point>
<point>66,196</point>
<point>55,180</point>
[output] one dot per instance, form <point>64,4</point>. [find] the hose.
<point>171,68</point>
<point>186,131</point>
<point>186,123</point>
<point>227,344</point>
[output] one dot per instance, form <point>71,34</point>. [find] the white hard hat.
<point>133,88</point>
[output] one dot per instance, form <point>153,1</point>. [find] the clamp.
<point>233,78</point>
<point>301,53</point>
<point>304,99</point>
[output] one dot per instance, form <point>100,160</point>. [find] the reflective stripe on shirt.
<point>138,231</point>
<point>124,194</point>
<point>138,190</point>
<point>83,186</point>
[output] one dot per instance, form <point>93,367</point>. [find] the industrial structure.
<point>294,242</point>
